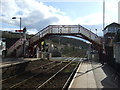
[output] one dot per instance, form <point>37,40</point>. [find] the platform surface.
<point>13,61</point>
<point>93,75</point>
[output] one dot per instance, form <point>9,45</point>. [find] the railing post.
<point>69,29</point>
<point>78,28</point>
<point>58,29</point>
<point>51,30</point>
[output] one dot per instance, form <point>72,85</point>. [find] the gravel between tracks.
<point>20,68</point>
<point>39,79</point>
<point>33,79</point>
<point>59,80</point>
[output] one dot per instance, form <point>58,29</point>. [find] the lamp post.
<point>20,20</point>
<point>24,35</point>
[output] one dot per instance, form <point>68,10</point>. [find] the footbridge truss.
<point>71,30</point>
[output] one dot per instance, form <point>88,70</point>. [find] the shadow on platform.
<point>110,81</point>
<point>82,73</point>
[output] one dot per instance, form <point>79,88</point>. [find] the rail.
<point>18,84</point>
<point>54,75</point>
<point>71,76</point>
<point>26,71</point>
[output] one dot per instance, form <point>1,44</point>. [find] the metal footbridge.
<point>70,30</point>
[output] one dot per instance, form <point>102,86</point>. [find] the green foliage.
<point>71,41</point>
<point>73,52</point>
<point>70,47</point>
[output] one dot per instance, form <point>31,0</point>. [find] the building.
<point>119,12</point>
<point>110,32</point>
<point>111,29</point>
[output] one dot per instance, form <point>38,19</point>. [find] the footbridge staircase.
<point>69,30</point>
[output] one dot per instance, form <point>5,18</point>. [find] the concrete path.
<point>93,75</point>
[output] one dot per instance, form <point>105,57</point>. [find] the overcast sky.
<point>37,14</point>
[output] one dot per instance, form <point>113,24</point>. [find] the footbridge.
<point>69,30</point>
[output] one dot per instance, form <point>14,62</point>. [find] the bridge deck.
<point>93,76</point>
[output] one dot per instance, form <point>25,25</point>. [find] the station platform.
<point>91,75</point>
<point>13,61</point>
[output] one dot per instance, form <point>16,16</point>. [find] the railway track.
<point>21,80</point>
<point>16,80</point>
<point>60,79</point>
<point>19,68</point>
<point>32,69</point>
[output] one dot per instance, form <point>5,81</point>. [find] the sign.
<point>18,30</point>
<point>24,30</point>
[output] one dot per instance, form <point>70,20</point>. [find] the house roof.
<point>112,24</point>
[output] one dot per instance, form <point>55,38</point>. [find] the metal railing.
<point>58,29</point>
<point>66,29</point>
<point>15,45</point>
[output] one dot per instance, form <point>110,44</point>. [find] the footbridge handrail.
<point>15,45</point>
<point>66,29</point>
